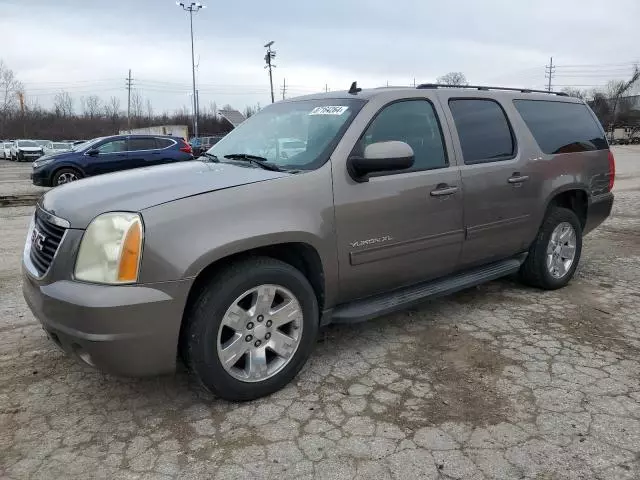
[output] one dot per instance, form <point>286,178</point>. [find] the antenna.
<point>353,90</point>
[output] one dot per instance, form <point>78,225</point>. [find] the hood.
<point>29,149</point>
<point>58,154</point>
<point>140,188</point>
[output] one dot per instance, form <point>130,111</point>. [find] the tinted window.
<point>112,147</point>
<point>483,129</point>
<point>142,144</point>
<point>561,127</point>
<point>163,142</point>
<point>415,123</point>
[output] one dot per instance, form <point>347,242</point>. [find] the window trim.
<point>514,139</point>
<point>442,138</point>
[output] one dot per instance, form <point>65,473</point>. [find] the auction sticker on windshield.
<point>329,110</point>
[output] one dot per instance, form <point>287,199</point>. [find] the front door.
<point>111,157</point>
<point>498,181</point>
<point>399,228</point>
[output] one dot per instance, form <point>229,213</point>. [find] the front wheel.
<point>251,329</point>
<point>555,253</point>
<point>65,175</point>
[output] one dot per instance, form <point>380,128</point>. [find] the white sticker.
<point>329,110</point>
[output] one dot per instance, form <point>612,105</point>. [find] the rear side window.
<point>163,142</point>
<point>561,127</point>
<point>142,144</point>
<point>484,131</point>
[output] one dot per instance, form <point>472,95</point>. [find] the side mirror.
<point>93,152</point>
<point>381,157</point>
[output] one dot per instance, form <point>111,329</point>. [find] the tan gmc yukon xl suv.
<point>234,261</point>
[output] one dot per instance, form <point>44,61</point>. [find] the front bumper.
<point>124,330</point>
<point>40,177</point>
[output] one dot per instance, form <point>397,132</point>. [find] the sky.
<point>87,47</point>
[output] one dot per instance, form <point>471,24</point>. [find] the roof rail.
<point>486,88</point>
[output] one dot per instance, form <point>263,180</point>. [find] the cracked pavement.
<point>499,381</point>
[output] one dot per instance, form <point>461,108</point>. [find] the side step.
<point>382,304</point>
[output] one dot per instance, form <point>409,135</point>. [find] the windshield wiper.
<point>210,156</point>
<point>255,160</point>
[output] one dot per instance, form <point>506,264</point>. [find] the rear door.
<point>399,228</point>
<point>143,152</point>
<point>499,183</point>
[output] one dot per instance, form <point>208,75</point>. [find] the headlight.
<point>40,163</point>
<point>111,249</point>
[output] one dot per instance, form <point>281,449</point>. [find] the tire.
<point>65,175</point>
<point>536,270</point>
<point>205,330</point>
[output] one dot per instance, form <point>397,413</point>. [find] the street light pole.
<point>193,7</point>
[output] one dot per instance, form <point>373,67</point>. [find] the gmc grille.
<point>42,258</point>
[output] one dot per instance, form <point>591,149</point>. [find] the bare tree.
<point>149,110</point>
<point>10,88</point>
<point>93,106</point>
<point>63,104</point>
<point>575,92</point>
<point>137,104</point>
<point>616,89</point>
<point>453,78</point>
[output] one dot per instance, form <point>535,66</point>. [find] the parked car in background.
<point>26,151</point>
<point>57,147</point>
<point>42,143</point>
<point>5,151</point>
<point>202,144</point>
<point>109,154</point>
<point>235,261</point>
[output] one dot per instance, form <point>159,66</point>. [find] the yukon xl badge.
<point>371,241</point>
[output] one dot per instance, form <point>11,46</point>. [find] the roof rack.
<point>486,88</point>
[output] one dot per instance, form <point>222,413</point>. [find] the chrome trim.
<point>26,253</point>
<point>51,218</point>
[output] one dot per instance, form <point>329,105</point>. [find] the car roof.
<point>480,91</point>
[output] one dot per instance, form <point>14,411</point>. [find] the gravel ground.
<point>14,179</point>
<point>499,381</point>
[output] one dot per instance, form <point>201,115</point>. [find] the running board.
<point>382,304</point>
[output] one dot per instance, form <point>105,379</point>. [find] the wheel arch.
<point>57,168</point>
<point>572,197</point>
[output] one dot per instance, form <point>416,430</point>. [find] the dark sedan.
<point>109,154</point>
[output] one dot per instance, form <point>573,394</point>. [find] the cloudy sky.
<point>86,47</point>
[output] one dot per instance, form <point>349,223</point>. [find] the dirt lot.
<point>500,381</point>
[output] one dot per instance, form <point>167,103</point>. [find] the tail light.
<point>612,170</point>
<point>186,148</point>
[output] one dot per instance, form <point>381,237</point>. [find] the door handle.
<point>444,190</point>
<point>517,178</point>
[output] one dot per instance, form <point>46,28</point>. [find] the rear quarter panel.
<point>185,236</point>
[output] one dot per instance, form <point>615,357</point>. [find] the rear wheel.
<point>251,329</point>
<point>65,175</point>
<point>555,253</point>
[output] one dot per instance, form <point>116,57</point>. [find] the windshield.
<point>42,143</point>
<point>81,147</point>
<point>61,146</point>
<point>315,126</point>
<point>27,143</point>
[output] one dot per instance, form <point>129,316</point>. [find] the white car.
<point>25,151</point>
<point>5,150</point>
<point>51,148</point>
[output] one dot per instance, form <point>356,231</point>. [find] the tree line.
<point>92,116</point>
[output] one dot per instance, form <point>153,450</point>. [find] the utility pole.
<point>270,55</point>
<point>191,8</point>
<point>414,81</point>
<point>284,87</point>
<point>129,85</point>
<point>197,105</point>
<point>326,87</point>
<point>549,70</point>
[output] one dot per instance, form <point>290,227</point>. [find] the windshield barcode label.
<point>329,110</point>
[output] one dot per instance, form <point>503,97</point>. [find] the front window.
<point>60,146</point>
<point>27,144</point>
<point>314,126</point>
